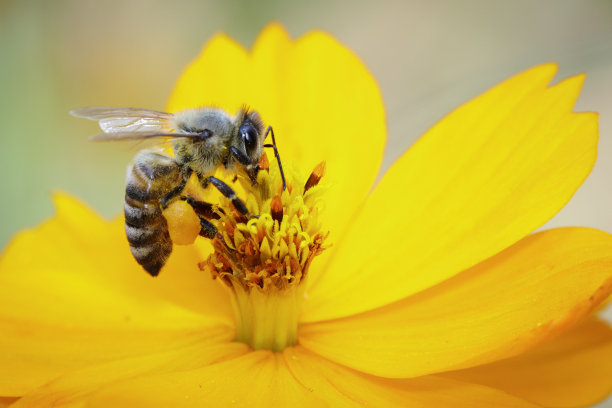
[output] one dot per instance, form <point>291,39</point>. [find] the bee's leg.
<point>273,145</point>
<point>205,212</point>
<point>207,229</point>
<point>202,208</point>
<point>165,200</point>
<point>228,192</point>
<point>250,168</point>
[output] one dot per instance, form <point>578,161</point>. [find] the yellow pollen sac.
<point>183,223</point>
<point>264,257</point>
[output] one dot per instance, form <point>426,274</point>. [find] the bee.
<point>203,139</point>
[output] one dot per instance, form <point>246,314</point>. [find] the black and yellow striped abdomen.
<point>151,177</point>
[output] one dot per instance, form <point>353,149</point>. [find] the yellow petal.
<point>295,378</point>
<point>509,303</point>
<point>573,370</point>
<point>73,278</point>
<point>34,354</point>
<point>344,387</point>
<point>255,379</point>
<point>76,386</point>
<point>321,101</point>
<point>215,78</point>
<point>60,264</point>
<point>482,178</point>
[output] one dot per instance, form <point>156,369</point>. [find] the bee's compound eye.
<point>249,134</point>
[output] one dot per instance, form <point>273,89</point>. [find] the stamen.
<point>263,260</point>
<point>263,163</point>
<point>315,176</point>
<point>276,209</point>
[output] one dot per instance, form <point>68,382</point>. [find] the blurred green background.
<point>428,56</point>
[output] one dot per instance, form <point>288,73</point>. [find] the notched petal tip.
<point>543,73</point>
<point>194,86</point>
<point>220,41</point>
<point>272,32</point>
<point>567,91</point>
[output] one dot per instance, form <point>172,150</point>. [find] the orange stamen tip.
<point>316,176</point>
<point>320,169</point>
<point>276,209</point>
<point>264,163</point>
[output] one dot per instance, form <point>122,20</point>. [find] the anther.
<point>276,209</point>
<point>264,163</point>
<point>315,176</point>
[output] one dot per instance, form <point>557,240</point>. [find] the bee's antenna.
<point>273,145</point>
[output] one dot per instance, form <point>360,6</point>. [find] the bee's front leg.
<point>276,154</point>
<point>250,168</point>
<point>228,192</point>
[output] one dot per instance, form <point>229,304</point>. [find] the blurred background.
<point>428,56</point>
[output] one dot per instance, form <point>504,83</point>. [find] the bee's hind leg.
<point>165,200</point>
<point>208,230</point>
<point>203,209</point>
<point>205,212</point>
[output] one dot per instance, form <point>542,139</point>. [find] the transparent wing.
<point>141,135</point>
<point>126,120</point>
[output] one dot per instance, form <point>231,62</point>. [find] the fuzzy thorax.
<point>264,258</point>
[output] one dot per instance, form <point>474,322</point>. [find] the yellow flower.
<point>430,292</point>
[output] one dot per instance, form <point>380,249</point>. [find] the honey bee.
<point>203,140</point>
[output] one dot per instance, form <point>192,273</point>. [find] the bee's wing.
<point>141,135</point>
<point>126,120</point>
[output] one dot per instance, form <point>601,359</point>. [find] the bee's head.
<point>247,143</point>
<point>250,135</point>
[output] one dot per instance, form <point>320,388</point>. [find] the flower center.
<point>264,259</point>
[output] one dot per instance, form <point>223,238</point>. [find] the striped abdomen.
<point>151,177</point>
